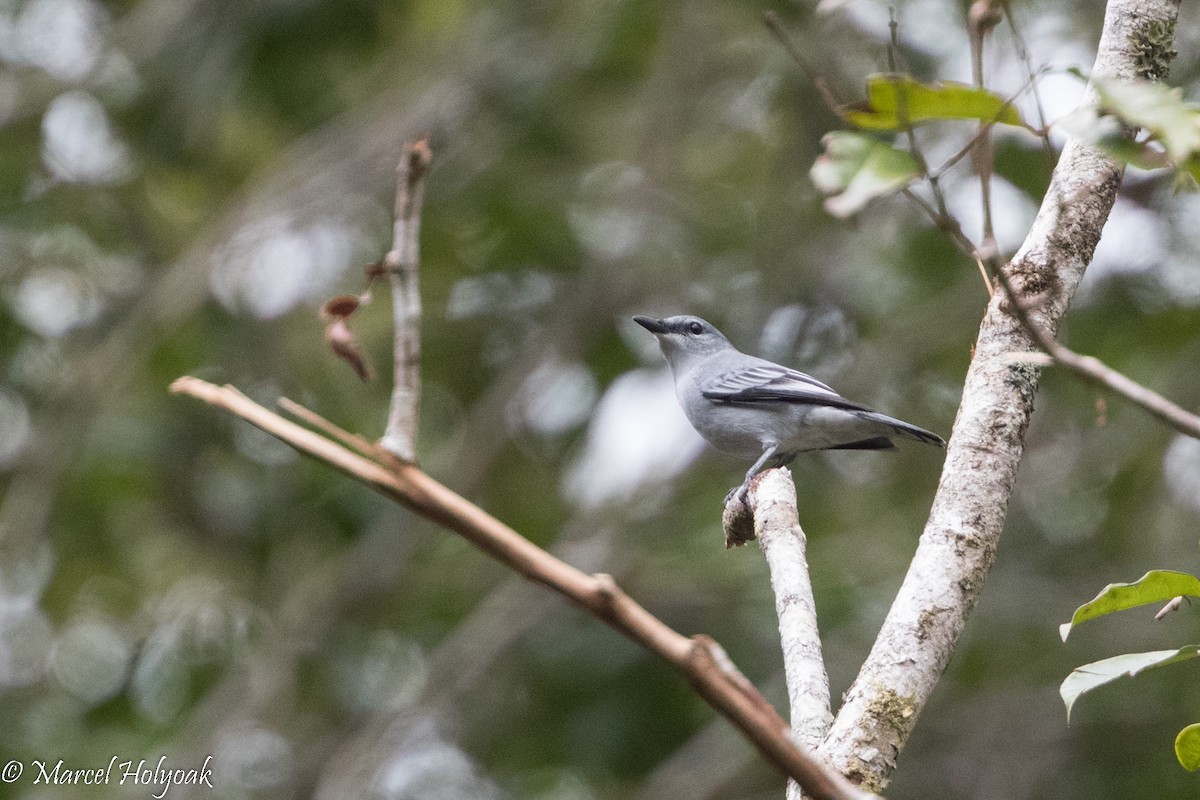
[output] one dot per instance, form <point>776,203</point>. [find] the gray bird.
<point>754,409</point>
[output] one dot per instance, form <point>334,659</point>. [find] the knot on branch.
<point>984,15</point>
<point>419,156</point>
<point>738,523</point>
<point>607,593</point>
<point>1031,287</point>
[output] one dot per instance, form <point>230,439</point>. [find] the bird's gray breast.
<point>741,429</point>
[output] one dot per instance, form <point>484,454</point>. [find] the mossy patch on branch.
<point>1153,49</point>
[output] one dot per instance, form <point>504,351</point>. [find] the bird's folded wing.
<point>772,383</point>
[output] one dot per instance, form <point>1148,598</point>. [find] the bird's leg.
<point>740,491</point>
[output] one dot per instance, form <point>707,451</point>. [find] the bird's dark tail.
<point>877,443</point>
<point>906,430</point>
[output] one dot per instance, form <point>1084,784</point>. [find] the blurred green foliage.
<point>182,185</point>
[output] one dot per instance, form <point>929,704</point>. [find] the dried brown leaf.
<point>345,346</point>
<point>340,307</point>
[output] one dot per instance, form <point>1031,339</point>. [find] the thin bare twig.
<point>984,128</point>
<point>981,18</point>
<point>939,198</point>
<point>359,444</point>
<point>950,225</point>
<point>987,259</point>
<point>699,658</point>
<point>986,254</point>
<point>1093,369</point>
<point>944,222</point>
<point>773,23</point>
<point>941,216</point>
<point>1023,53</point>
<point>403,265</point>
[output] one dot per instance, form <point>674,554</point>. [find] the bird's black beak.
<point>651,324</point>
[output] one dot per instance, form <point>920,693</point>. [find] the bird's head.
<point>685,339</point>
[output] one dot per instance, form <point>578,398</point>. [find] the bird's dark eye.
<point>695,328</point>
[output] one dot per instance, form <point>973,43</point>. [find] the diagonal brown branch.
<point>403,265</point>
<point>699,658</point>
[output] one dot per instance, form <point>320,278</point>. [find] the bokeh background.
<point>183,182</point>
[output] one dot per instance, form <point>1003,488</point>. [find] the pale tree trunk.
<point>958,547</point>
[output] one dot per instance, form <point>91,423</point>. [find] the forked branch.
<point>699,658</point>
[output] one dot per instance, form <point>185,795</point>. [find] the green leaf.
<point>923,102</point>
<point>1171,127</point>
<point>1156,586</point>
<point>856,168</point>
<point>1187,747</point>
<point>1098,673</point>
<point>1191,171</point>
<point>1157,109</point>
<point>1107,132</point>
